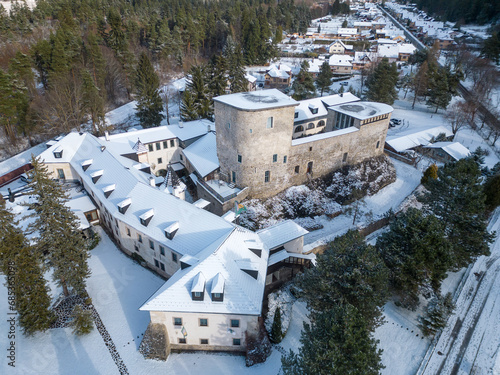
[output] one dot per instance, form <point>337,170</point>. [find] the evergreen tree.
<point>149,103</point>
<point>456,197</point>
<point>416,252</point>
<point>349,272</point>
<point>439,92</point>
<point>337,342</point>
<point>491,48</point>
<point>93,102</point>
<point>83,322</point>
<point>13,105</point>
<point>22,266</point>
<point>303,86</point>
<point>492,191</point>
<point>324,79</point>
<point>59,237</point>
<point>276,332</point>
<point>381,84</point>
<point>438,311</point>
<point>431,172</point>
<point>188,107</point>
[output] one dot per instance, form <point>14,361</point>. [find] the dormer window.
<point>124,205</point>
<point>313,108</point>
<point>296,115</point>
<point>96,175</point>
<point>146,217</point>
<point>198,287</point>
<point>108,190</point>
<point>86,164</point>
<point>58,152</point>
<point>249,267</point>
<point>218,288</point>
<point>255,247</point>
<point>171,230</point>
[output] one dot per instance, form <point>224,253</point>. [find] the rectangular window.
<point>160,161</point>
<point>239,158</point>
<point>162,266</point>
<point>269,123</point>
<point>228,125</point>
<point>296,115</point>
<point>297,169</point>
<point>128,232</point>
<point>151,245</point>
<point>150,147</point>
<point>157,264</point>
<point>275,158</point>
<point>60,173</point>
<point>233,177</point>
<point>174,257</point>
<point>181,157</point>
<point>177,321</point>
<point>203,341</point>
<point>172,143</point>
<point>165,144</point>
<point>158,146</point>
<point>139,238</point>
<point>236,341</point>
<point>378,144</point>
<point>344,158</point>
<point>203,322</point>
<point>235,323</point>
<point>182,340</point>
<point>284,159</point>
<point>162,250</point>
<point>267,176</point>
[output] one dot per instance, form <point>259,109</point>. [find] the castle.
<point>217,271</point>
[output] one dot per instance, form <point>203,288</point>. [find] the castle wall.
<point>246,133</point>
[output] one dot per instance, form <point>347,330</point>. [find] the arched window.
<point>299,129</point>
<point>310,125</point>
<point>320,124</point>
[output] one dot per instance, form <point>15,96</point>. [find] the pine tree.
<point>188,107</point>
<point>83,322</point>
<point>303,86</point>
<point>456,197</point>
<point>22,265</point>
<point>324,79</point>
<point>492,191</point>
<point>93,102</point>
<point>276,332</point>
<point>438,311</point>
<point>416,252</point>
<point>59,238</point>
<point>149,103</point>
<point>337,342</point>
<point>349,272</point>
<point>439,92</point>
<point>491,48</point>
<point>381,84</point>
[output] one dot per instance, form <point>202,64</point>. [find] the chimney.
<point>106,135</point>
<point>152,181</point>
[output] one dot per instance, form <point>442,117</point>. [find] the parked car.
<point>396,121</point>
<point>344,83</point>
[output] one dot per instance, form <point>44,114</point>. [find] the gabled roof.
<point>243,294</point>
<point>340,60</point>
<point>281,233</point>
<point>415,137</point>
<point>455,149</point>
<point>202,154</point>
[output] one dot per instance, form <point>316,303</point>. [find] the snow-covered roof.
<point>388,50</point>
<point>363,110</point>
<point>347,31</point>
<point>198,228</point>
<point>201,203</point>
<point>82,203</point>
<point>455,149</point>
<point>250,78</point>
<point>340,60</point>
<point>257,100</point>
<point>222,267</point>
<point>326,135</point>
<point>407,48</point>
<point>275,73</point>
<point>413,138</point>
<point>281,233</point>
<point>306,107</point>
<point>337,99</point>
<point>202,154</point>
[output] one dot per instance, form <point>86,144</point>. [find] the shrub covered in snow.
<point>322,196</point>
<point>282,299</point>
<point>369,177</point>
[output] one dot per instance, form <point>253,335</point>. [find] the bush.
<point>94,241</point>
<point>431,172</point>
<point>82,323</point>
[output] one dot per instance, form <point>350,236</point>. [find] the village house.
<point>339,48</point>
<point>340,64</point>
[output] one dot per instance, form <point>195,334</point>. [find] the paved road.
<point>470,343</point>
